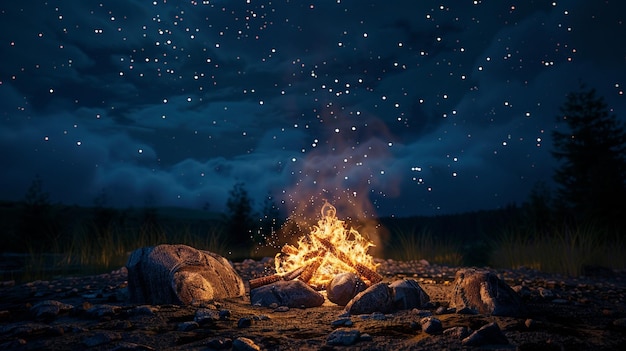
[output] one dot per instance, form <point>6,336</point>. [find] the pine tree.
<point>592,149</point>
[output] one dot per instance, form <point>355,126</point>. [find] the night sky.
<point>415,107</point>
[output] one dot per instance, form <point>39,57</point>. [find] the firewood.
<point>269,279</point>
<point>371,276</point>
<point>310,269</point>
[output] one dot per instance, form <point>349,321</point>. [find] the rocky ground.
<point>585,313</point>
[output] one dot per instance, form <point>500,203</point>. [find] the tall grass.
<point>89,250</point>
<point>409,245</point>
<point>566,250</point>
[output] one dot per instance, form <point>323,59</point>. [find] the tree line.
<point>589,146</point>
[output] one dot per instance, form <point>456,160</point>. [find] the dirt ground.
<point>585,313</point>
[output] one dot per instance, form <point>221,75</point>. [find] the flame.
<point>330,249</point>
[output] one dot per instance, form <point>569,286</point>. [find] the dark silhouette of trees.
<point>240,222</point>
<point>38,226</point>
<point>104,216</point>
<point>592,150</point>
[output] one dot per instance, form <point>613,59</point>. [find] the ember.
<point>329,249</point>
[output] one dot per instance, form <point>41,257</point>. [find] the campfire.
<point>330,249</point>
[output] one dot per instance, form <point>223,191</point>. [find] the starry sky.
<point>413,107</point>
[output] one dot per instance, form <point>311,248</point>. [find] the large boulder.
<point>179,274</point>
<point>483,292</point>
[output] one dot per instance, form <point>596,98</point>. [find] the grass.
<point>410,245</point>
<point>89,250</point>
<point>565,251</point>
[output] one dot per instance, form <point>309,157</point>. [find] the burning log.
<point>371,276</point>
<point>258,282</point>
<point>269,279</point>
<point>311,268</point>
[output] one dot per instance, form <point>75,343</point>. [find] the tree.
<point>592,149</point>
<point>38,225</point>
<point>240,221</point>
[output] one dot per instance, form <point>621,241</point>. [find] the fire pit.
<point>330,249</point>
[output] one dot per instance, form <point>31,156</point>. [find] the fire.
<point>329,249</point>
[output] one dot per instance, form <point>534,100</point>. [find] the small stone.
<point>343,337</point>
<point>220,343</point>
<point>292,293</point>
<point>224,314</point>
<point>408,294</point>
<point>281,309</point>
<point>206,315</point>
<point>457,332</point>
<point>131,346</point>
<point>546,293</point>
<point>100,311</point>
<point>343,287</point>
<point>365,337</point>
<point>101,339</point>
<point>489,334</point>
<point>244,322</point>
<point>431,325</point>
<point>378,316</point>
<point>188,326</point>
<point>144,310</point>
<point>376,298</point>
<point>341,322</point>
<point>245,344</point>
<point>50,309</point>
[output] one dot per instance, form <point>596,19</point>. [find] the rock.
<point>484,292</point>
<point>408,294</point>
<point>101,338</point>
<point>376,298</point>
<point>489,334</point>
<point>292,293</point>
<point>188,326</point>
<point>99,311</point>
<point>244,322</point>
<point>50,309</point>
<point>220,343</point>
<point>206,316</point>
<point>341,322</point>
<point>431,325</point>
<point>179,274</point>
<point>131,346</point>
<point>343,337</point>
<point>245,344</point>
<point>343,287</point>
<point>459,333</point>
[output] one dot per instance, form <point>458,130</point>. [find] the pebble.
<point>489,334</point>
<point>459,333</point>
<point>188,326</point>
<point>245,344</point>
<point>206,315</point>
<point>343,337</point>
<point>342,322</point>
<point>101,338</point>
<point>220,343</point>
<point>244,322</point>
<point>431,325</point>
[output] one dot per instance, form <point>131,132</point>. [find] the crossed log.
<point>306,272</point>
